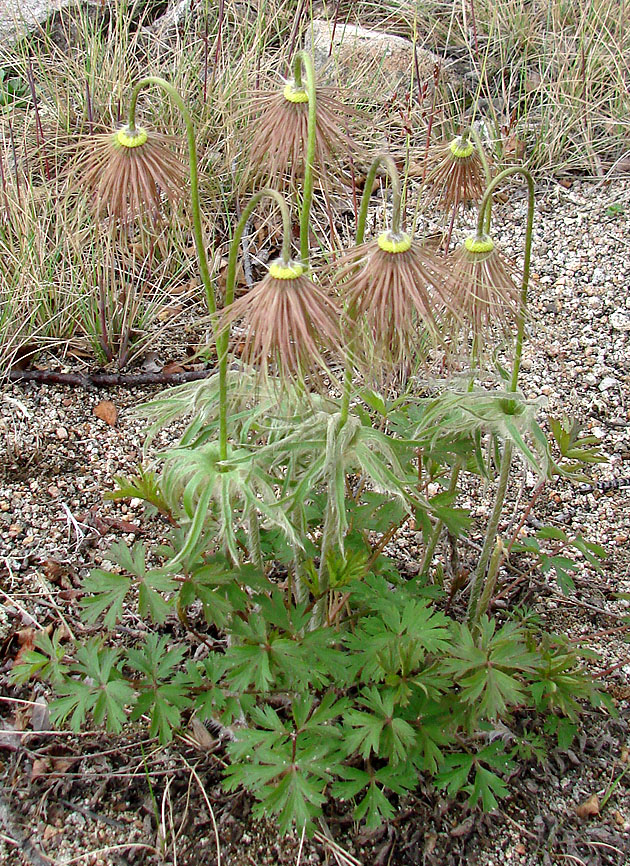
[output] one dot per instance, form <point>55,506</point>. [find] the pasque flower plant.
<point>331,671</point>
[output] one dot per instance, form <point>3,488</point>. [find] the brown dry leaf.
<point>188,288</point>
<point>107,412</point>
<point>41,767</point>
<point>26,642</point>
<point>514,147</point>
<point>121,525</point>
<point>62,765</point>
<point>173,367</point>
<point>57,572</point>
<point>167,313</point>
<point>50,832</point>
<point>589,807</point>
<point>463,829</point>
<point>625,754</point>
<point>203,738</point>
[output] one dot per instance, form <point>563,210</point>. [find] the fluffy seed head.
<point>395,287</point>
<point>483,290</point>
<point>288,323</point>
<point>128,172</point>
<point>457,176</point>
<point>280,129</point>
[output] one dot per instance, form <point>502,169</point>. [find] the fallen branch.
<point>107,380</point>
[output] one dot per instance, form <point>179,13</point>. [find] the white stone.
<point>607,383</point>
<point>620,321</point>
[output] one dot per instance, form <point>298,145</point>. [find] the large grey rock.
<point>381,63</point>
<point>18,18</point>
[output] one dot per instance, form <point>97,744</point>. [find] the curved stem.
<point>473,133</point>
<point>303,63</point>
<point>504,474</point>
<point>223,337</point>
<point>487,196</point>
<point>386,160</point>
<point>202,258</point>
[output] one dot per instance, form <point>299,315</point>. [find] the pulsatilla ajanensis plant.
<point>332,671</point>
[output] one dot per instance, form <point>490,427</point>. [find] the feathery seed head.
<point>395,286</point>
<point>457,176</point>
<point>128,172</point>
<point>279,134</point>
<point>288,323</point>
<point>483,290</point>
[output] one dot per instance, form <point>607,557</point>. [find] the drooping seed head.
<point>483,290</point>
<point>393,285</point>
<point>288,324</point>
<point>456,174</point>
<point>279,130</point>
<point>129,172</point>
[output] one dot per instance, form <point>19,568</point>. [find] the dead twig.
<point>107,380</point>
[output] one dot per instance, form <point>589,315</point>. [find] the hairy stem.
<point>386,160</point>
<point>437,529</point>
<point>303,67</point>
<point>479,605</point>
<point>253,531</point>
<point>194,177</point>
<point>504,474</point>
<point>473,133</point>
<point>223,337</point>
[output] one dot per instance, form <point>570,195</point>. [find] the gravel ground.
<point>64,797</point>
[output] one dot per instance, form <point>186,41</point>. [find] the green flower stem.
<point>194,177</point>
<point>487,197</point>
<point>320,611</point>
<point>300,588</point>
<point>386,160</point>
<point>253,531</point>
<point>223,337</point>
<point>472,133</point>
<point>506,460</point>
<point>437,529</point>
<point>303,64</point>
<point>478,579</point>
<point>478,608</point>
